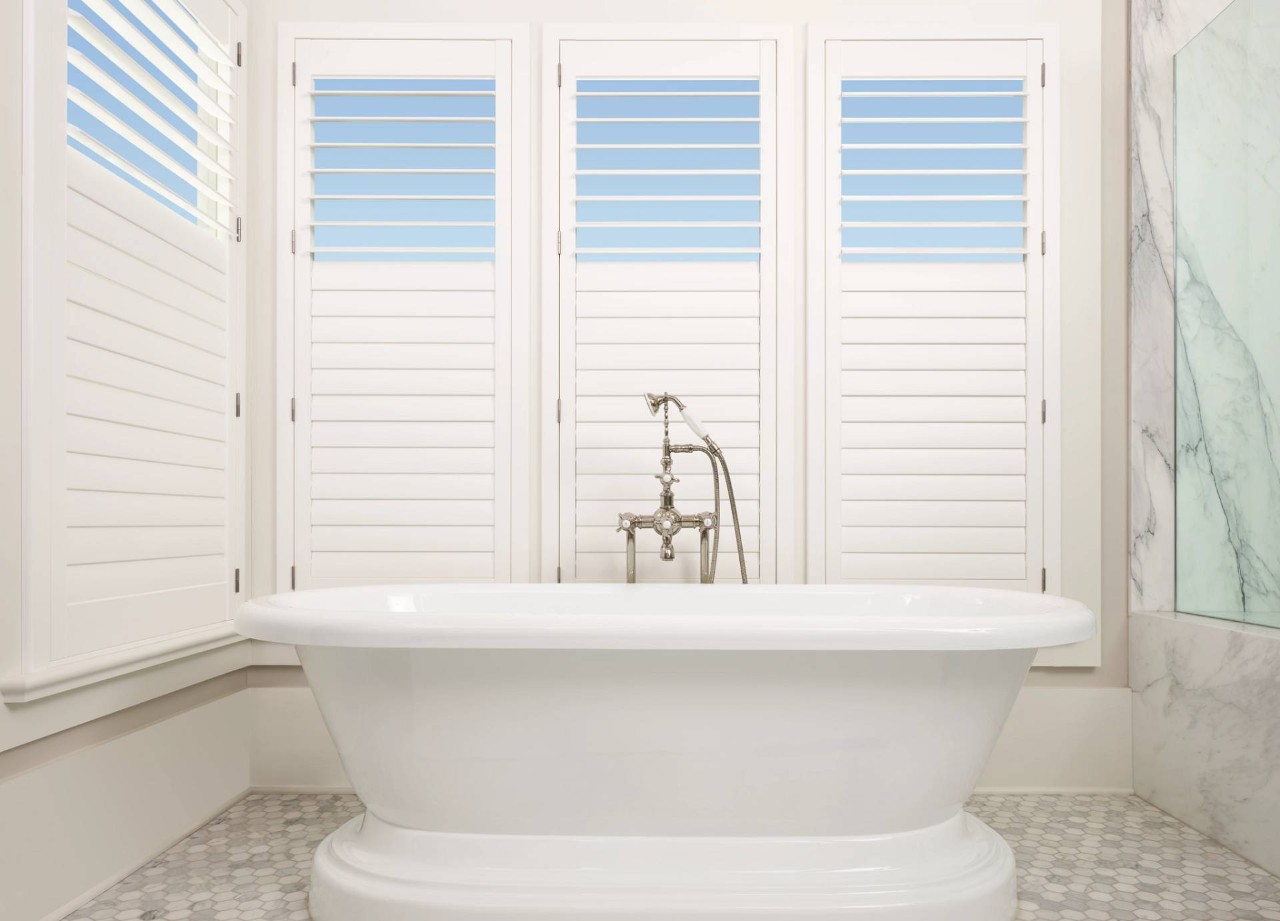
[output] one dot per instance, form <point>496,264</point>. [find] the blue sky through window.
<point>920,153</point>
<point>668,163</point>
<point>408,164</point>
<point>147,123</point>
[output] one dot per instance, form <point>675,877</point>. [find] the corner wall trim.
<point>22,687</point>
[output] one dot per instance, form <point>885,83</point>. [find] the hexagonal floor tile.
<point>1080,858</point>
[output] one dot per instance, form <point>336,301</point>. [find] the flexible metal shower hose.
<point>733,511</point>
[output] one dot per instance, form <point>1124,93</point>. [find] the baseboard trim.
<point>1056,791</point>
<point>300,788</point>
<point>1006,791</point>
<point>97,889</point>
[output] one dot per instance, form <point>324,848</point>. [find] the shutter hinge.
<point>1044,580</point>
<point>557,573</point>
<point>557,410</point>
<point>293,409</point>
<point>1044,242</point>
<point>237,406</point>
<point>294,73</point>
<point>293,242</point>
<point>1044,411</point>
<point>237,585</point>
<point>1044,74</point>
<point>559,75</point>
<point>239,54</point>
<point>239,231</point>
<point>293,577</point>
<point>558,239</point>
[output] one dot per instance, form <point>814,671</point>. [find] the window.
<point>932,170</point>
<point>148,96</point>
<point>400,346</point>
<point>667,170</point>
<point>151,346</point>
<point>928,430</point>
<point>132,338</point>
<point>668,182</point>
<point>403,169</point>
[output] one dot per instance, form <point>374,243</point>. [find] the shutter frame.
<point>824,73</point>
<point>560,537</point>
<point>506,505</point>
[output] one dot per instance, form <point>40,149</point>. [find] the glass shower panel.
<point>1227,278</point>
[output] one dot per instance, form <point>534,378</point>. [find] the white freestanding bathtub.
<point>645,752</point>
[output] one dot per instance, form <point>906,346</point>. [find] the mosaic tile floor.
<point>1080,858</point>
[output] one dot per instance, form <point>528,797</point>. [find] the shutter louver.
<point>933,313</point>
<point>403,170</point>
<point>148,98</point>
<point>932,170</point>
<point>668,186</point>
<point>402,312</point>
<point>668,170</point>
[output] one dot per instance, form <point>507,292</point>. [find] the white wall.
<point>79,823</point>
<point>1085,163</point>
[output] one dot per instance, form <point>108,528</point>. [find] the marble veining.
<point>1080,858</point>
<point>1206,717</point>
<point>1228,324</point>
<point>1206,727</point>
<point>1159,29</point>
<point>1228,482</point>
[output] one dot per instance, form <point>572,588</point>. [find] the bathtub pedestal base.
<point>368,870</point>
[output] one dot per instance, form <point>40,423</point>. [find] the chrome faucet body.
<point>666,520</point>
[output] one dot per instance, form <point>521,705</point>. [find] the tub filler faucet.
<point>666,520</point>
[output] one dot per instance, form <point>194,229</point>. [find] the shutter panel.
<point>668,212</point>
<point>402,442</point>
<point>933,312</point>
<point>151,459</point>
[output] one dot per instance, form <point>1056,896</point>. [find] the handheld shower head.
<point>654,401</point>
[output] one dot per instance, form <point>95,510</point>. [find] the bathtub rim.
<point>1012,620</point>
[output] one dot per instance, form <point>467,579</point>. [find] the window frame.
<point>788,562</point>
<point>1087,653</point>
<point>290,33</point>
<point>34,672</point>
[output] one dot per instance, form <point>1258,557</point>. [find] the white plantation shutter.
<point>932,447</point>
<point>150,465</point>
<point>402,444</point>
<point>668,214</point>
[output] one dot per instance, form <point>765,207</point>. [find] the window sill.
<point>24,687</point>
